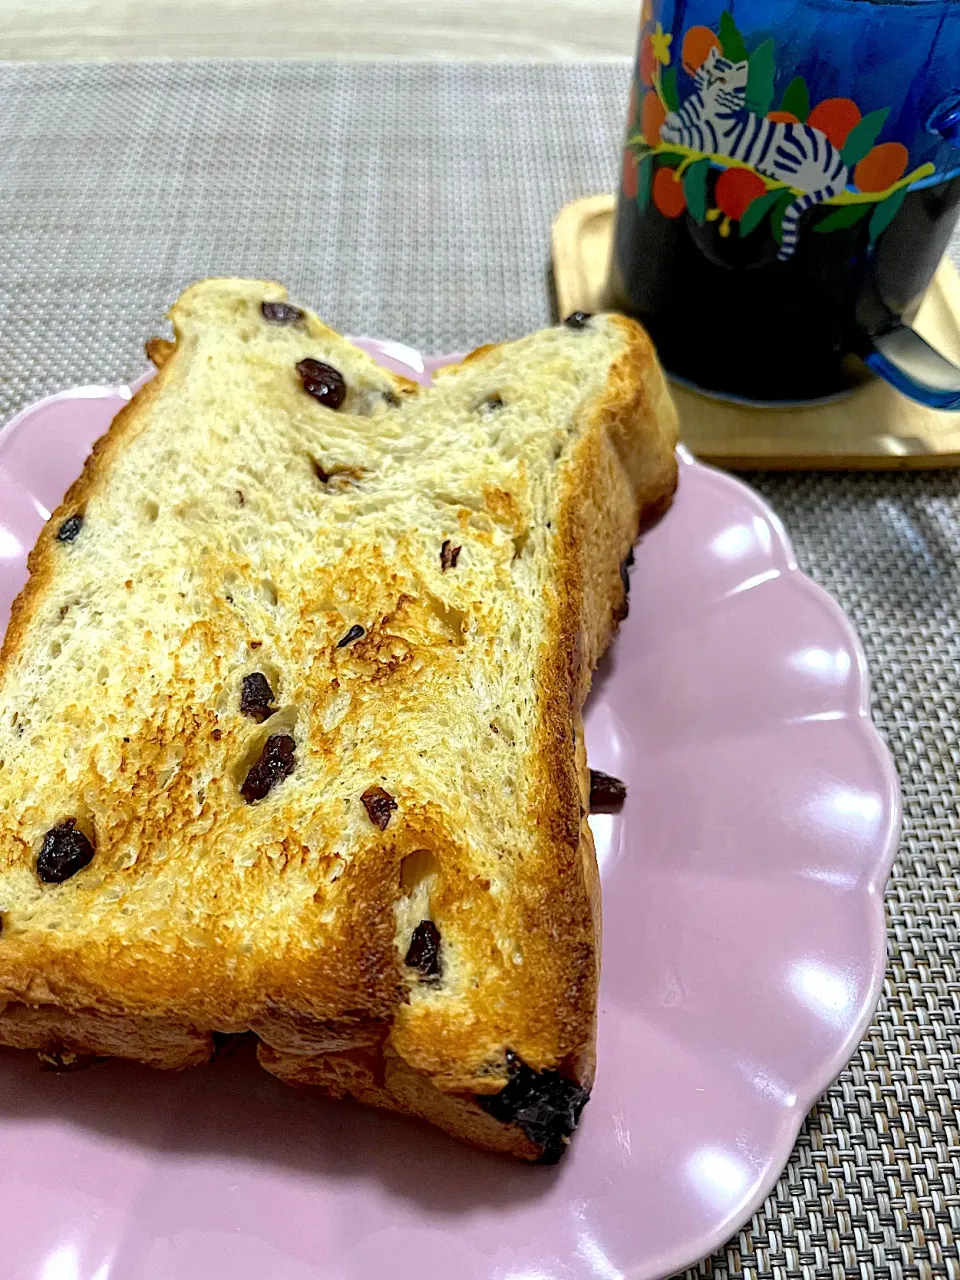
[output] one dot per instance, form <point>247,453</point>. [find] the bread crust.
<point>341,1019</point>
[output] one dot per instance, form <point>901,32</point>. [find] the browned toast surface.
<point>290,715</point>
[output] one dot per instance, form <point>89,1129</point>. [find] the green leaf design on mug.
<point>863,135</point>
<point>695,189</point>
<point>848,215</point>
<point>760,79</point>
<point>885,212</point>
<point>756,211</point>
<point>796,98</point>
<point>644,182</point>
<point>784,201</point>
<point>730,38</point>
<point>668,87</point>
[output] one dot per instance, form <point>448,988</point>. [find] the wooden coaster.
<point>872,427</point>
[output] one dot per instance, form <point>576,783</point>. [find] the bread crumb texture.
<point>416,756</point>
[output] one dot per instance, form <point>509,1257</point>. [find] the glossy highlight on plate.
<point>744,950</point>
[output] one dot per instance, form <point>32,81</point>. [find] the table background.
<point>414,201</point>
<point>490,30</point>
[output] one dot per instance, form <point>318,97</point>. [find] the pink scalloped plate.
<point>743,955</point>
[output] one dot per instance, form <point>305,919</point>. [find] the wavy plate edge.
<point>808,1093</point>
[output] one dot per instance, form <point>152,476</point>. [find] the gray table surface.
<point>414,201</point>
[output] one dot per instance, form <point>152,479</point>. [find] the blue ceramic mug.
<point>791,179</point>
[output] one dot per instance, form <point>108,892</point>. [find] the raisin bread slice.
<point>290,735</point>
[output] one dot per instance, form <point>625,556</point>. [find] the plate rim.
<point>874,889</point>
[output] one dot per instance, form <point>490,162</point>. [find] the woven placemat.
<point>415,201</point>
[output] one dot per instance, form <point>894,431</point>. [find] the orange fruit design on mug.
<point>783,117</point>
<point>736,189</point>
<point>628,179</point>
<point>652,115</point>
<point>835,117</point>
<point>697,43</point>
<point>668,193</point>
<point>882,167</point>
<point>648,61</point>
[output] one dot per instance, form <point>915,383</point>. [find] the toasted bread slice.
<point>290,735</point>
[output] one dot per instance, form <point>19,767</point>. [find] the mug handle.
<point>909,363</point>
<point>899,354</point>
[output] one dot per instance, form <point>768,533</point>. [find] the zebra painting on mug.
<point>735,159</point>
<point>715,121</point>
<point>791,178</point>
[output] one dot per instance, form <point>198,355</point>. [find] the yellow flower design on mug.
<point>661,41</point>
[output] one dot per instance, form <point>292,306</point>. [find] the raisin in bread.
<point>290,735</point>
